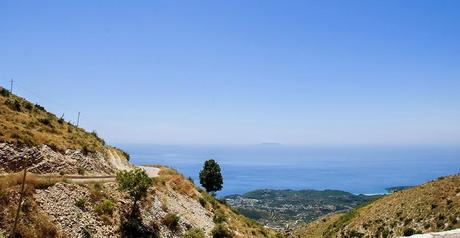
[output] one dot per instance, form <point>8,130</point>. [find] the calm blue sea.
<point>367,170</point>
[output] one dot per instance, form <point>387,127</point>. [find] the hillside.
<point>30,124</point>
<point>52,144</point>
<point>286,208</point>
<point>54,206</point>
<point>430,207</point>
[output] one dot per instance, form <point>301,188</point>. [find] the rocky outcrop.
<point>44,160</point>
<point>192,214</point>
<point>59,202</point>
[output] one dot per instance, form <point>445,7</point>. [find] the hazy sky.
<point>241,72</point>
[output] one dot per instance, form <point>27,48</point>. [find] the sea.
<point>356,169</point>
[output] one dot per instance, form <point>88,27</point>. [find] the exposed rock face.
<point>43,160</point>
<point>59,202</point>
<point>192,214</point>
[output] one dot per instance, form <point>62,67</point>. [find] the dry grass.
<point>170,178</point>
<point>33,223</point>
<point>318,227</point>
<point>24,123</point>
<point>433,206</point>
<point>36,182</point>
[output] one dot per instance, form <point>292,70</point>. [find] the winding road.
<point>152,172</point>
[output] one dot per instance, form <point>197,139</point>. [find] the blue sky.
<point>241,72</point>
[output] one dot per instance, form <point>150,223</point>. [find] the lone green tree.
<point>211,177</point>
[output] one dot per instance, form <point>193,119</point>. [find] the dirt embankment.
<point>44,160</point>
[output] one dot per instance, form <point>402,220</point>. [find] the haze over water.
<point>356,169</point>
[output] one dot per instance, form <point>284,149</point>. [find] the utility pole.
<point>21,197</point>
<point>78,119</point>
<point>11,85</point>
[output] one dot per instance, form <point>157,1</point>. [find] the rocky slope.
<point>430,207</point>
<point>44,160</point>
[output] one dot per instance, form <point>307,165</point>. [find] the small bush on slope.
<point>194,233</point>
<point>220,231</point>
<point>135,183</point>
<point>171,221</point>
<point>105,207</point>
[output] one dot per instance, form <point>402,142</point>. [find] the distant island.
<point>270,144</point>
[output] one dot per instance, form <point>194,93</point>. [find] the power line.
<point>41,97</point>
<point>11,85</point>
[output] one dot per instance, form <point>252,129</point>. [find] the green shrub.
<point>4,92</point>
<point>106,219</point>
<point>97,192</point>
<point>219,216</point>
<point>135,182</point>
<point>427,226</point>
<point>133,227</point>
<point>171,221</point>
<point>81,170</point>
<point>94,133</point>
<point>221,231</point>
<point>86,233</point>
<point>440,224</point>
<point>80,203</point>
<point>40,108</point>
<point>106,206</point>
<point>45,121</point>
<point>407,221</point>
<point>29,106</point>
<point>355,234</point>
<point>408,232</point>
<point>126,155</point>
<point>202,201</point>
<point>85,150</point>
<point>194,233</point>
<point>15,105</point>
